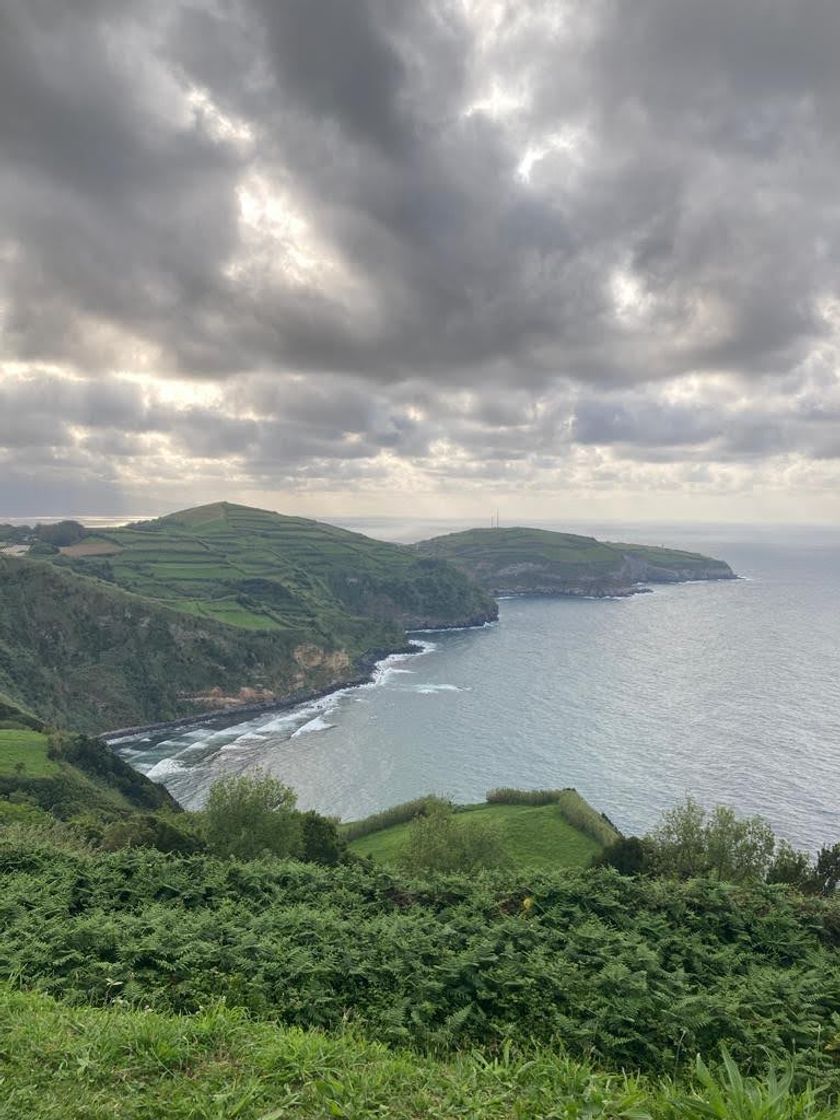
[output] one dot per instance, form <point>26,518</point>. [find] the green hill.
<point>216,606</point>
<point>538,561</point>
<point>255,569</point>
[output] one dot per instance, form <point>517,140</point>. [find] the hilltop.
<point>210,608</point>
<point>539,561</point>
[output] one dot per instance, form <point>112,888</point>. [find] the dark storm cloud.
<point>459,234</point>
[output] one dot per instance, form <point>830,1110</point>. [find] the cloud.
<point>316,244</point>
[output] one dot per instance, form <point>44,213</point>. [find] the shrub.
<point>397,814</point>
<point>441,841</point>
<point>248,816</point>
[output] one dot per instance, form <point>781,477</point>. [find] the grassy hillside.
<point>81,1064</point>
<point>255,569</point>
<point>24,753</point>
<point>629,973</point>
<point>521,560</point>
<point>207,608</point>
<point>71,774</point>
<point>538,829</point>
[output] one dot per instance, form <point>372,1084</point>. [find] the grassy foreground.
<point>86,1064</point>
<point>533,836</point>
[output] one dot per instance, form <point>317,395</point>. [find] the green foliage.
<point>632,973</point>
<point>533,836</point>
<point>437,841</point>
<point>320,840</point>
<point>59,534</point>
<point>578,812</point>
<point>252,815</point>
<point>827,870</point>
<point>793,868</point>
<point>628,854</point>
<point>731,1096</point>
<point>387,818</point>
<point>691,841</point>
<point>71,1063</point>
<point>149,830</point>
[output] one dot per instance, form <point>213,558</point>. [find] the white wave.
<point>316,724</point>
<point>166,768</point>
<point>457,629</point>
<point>429,689</point>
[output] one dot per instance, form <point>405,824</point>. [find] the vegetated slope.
<point>539,561</point>
<point>209,608</point>
<point>630,973</point>
<point>255,569</point>
<point>89,656</point>
<point>68,774</point>
<point>64,1063</point>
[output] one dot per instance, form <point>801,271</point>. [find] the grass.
<point>533,836</point>
<point>523,559</point>
<point>88,1064</point>
<point>25,752</point>
<point>255,569</point>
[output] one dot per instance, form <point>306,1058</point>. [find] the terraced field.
<point>261,570</point>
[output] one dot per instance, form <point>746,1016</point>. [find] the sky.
<point>372,258</point>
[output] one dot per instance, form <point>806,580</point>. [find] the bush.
<point>249,816</point>
<point>320,840</point>
<point>397,814</point>
<point>629,855</point>
<point>441,841</point>
<point>147,830</point>
<point>691,842</point>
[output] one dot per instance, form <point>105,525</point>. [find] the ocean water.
<point>726,691</point>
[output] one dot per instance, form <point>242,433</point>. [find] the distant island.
<point>524,561</point>
<point>226,607</point>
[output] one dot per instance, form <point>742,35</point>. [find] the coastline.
<point>368,665</point>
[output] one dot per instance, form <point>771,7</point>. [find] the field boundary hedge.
<point>574,809</point>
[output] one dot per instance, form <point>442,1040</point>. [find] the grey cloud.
<point>674,216</point>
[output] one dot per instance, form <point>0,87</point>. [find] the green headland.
<point>539,561</point>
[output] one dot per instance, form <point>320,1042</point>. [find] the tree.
<point>679,842</point>
<point>628,854</point>
<point>691,842</point>
<point>792,868</point>
<point>252,815</point>
<point>440,840</point>
<point>738,849</point>
<point>827,870</point>
<point>321,842</point>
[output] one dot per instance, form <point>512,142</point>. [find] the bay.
<point>729,692</point>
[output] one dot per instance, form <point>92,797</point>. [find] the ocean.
<point>728,692</point>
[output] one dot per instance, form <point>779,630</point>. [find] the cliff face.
<point>538,562</point>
